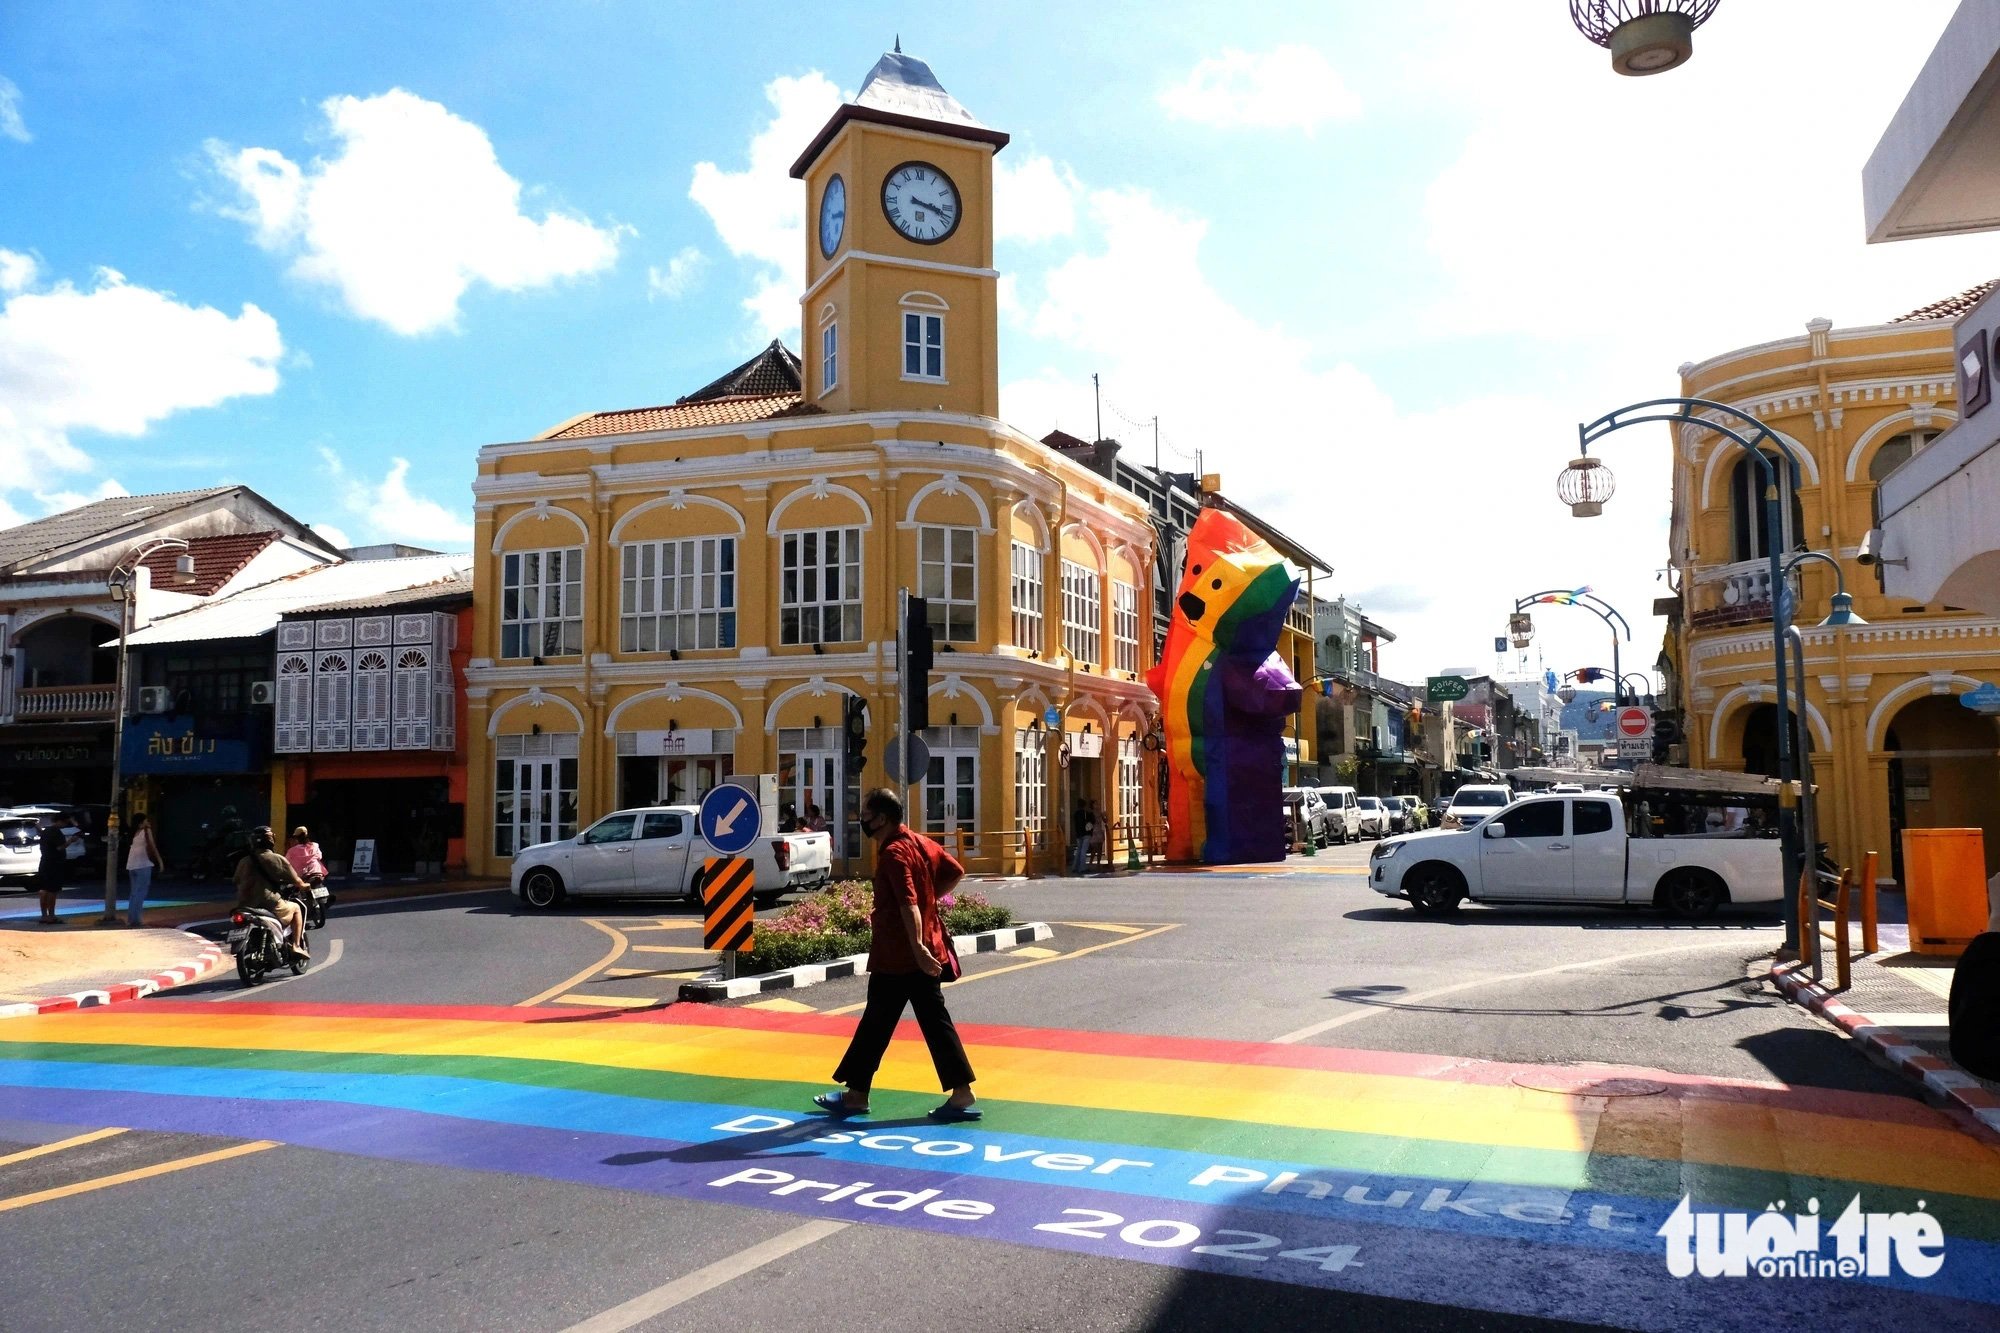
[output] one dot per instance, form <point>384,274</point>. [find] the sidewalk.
<point>1896,1007</point>
<point>81,958</point>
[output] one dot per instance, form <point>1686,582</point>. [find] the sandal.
<point>836,1105</point>
<point>952,1115</point>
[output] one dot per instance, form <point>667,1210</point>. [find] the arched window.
<point>1749,526</point>
<point>1894,452</point>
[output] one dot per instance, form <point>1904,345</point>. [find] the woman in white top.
<point>142,858</point>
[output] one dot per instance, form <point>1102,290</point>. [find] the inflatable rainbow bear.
<point>1224,697</point>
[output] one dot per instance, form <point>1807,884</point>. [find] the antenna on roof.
<point>899,43</point>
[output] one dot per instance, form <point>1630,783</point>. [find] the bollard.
<point>1132,853</point>
<point>1868,945</point>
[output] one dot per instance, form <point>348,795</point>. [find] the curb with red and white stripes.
<point>138,988</point>
<point>1944,1081</point>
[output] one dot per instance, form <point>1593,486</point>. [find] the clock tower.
<point>900,311</point>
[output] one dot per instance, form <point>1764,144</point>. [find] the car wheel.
<point>1693,895</point>
<point>1434,892</point>
<point>542,889</point>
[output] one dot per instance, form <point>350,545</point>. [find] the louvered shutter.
<point>332,694</point>
<point>412,727</point>
<point>371,698</point>
<point>444,708</point>
<point>292,726</point>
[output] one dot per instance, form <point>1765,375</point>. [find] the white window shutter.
<point>333,689</point>
<point>292,725</point>
<point>412,726</point>
<point>444,710</point>
<point>371,699</point>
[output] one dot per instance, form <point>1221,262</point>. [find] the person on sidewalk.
<point>50,870</point>
<point>142,858</point>
<point>907,957</point>
<point>261,878</point>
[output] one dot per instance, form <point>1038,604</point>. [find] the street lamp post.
<point>122,581</point>
<point>1751,436</point>
<point>1522,626</point>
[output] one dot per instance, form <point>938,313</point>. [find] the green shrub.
<point>833,923</point>
<point>968,913</point>
<point>778,950</point>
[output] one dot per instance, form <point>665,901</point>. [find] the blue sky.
<point>1374,261</point>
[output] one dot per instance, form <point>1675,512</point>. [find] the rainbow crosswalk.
<point>1420,1177</point>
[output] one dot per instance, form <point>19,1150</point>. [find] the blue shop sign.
<point>183,745</point>
<point>1983,699</point>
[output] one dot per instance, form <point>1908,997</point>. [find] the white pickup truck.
<point>655,852</point>
<point>1575,849</point>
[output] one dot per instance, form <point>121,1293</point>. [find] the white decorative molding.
<point>818,687</point>
<point>1884,712</point>
<point>819,488</point>
<point>1751,695</point>
<point>1090,539</point>
<point>672,692</point>
<point>541,511</point>
<point>1919,417</point>
<point>1726,448</point>
<point>949,484</point>
<point>536,698</point>
<point>1816,331</point>
<point>678,500</point>
<point>954,687</point>
<point>1031,511</point>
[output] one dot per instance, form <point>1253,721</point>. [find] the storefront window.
<point>534,791</point>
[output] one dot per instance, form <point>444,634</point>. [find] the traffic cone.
<point>1132,854</point>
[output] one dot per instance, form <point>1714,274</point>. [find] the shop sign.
<point>694,740</point>
<point>53,754</point>
<point>1087,745</point>
<point>181,745</point>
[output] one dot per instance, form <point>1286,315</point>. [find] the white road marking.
<point>722,1271</point>
<point>1733,940</point>
<point>332,957</point>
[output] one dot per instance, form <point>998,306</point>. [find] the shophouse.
<point>1889,744</point>
<point>64,580</point>
<point>329,695</point>
<point>673,595</point>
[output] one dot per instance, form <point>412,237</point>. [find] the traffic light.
<point>854,726</point>
<point>917,666</point>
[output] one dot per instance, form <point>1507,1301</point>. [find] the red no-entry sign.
<point>1635,723</point>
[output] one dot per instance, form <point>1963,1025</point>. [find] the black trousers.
<point>888,992</point>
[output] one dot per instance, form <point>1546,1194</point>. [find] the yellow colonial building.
<point>1890,745</point>
<point>673,595</point>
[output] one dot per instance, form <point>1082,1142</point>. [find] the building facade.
<point>671,596</point>
<point>1890,746</point>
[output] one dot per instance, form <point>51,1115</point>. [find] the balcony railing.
<point>1737,594</point>
<point>65,703</point>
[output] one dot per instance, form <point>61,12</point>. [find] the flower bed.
<point>833,923</point>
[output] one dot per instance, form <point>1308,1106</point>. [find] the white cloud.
<point>389,511</point>
<point>16,272</point>
<point>113,358</point>
<point>759,212</point>
<point>55,502</point>
<point>1033,199</point>
<point>11,124</point>
<point>1288,87</point>
<point>333,536</point>
<point>410,213</point>
<point>678,276</point>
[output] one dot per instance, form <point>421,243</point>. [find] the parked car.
<point>1341,803</point>
<point>1570,849</point>
<point>82,827</point>
<point>1313,812</point>
<point>1374,817</point>
<point>1568,788</point>
<point>1394,815</point>
<point>1416,815</point>
<point>655,852</point>
<point>1472,803</point>
<point>20,847</point>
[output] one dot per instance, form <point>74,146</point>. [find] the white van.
<point>1346,812</point>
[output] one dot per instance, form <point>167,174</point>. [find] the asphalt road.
<point>517,1210</point>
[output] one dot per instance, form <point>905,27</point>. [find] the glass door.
<point>951,796</point>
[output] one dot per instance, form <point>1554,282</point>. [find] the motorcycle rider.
<point>262,878</point>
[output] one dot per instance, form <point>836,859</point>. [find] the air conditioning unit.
<point>263,693</point>
<point>155,699</point>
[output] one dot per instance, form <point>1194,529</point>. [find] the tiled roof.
<point>256,611</point>
<point>455,587</point>
<point>96,519</point>
<point>682,416</point>
<point>1952,306</point>
<point>216,561</point>
<point>772,371</point>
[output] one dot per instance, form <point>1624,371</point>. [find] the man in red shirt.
<point>906,962</point>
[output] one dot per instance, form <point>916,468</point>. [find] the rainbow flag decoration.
<point>1224,697</point>
<point>1499,1187</point>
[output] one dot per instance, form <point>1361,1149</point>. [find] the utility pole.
<point>1097,398</point>
<point>1156,442</point>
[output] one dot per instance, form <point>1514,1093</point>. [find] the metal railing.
<point>1816,931</point>
<point>65,703</point>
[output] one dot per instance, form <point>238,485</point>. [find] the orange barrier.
<point>1813,931</point>
<point>1944,884</point>
<point>1868,944</point>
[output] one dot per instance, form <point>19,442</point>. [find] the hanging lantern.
<point>1584,486</point>
<point>1567,694</point>
<point>1521,627</point>
<point>1643,36</point>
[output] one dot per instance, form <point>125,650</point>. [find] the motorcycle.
<point>261,944</point>
<point>315,902</point>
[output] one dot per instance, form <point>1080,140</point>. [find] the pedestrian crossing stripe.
<point>728,905</point>
<point>1425,1178</point>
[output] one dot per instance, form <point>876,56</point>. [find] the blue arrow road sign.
<point>729,819</point>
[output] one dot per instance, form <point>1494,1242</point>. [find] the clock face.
<point>832,216</point>
<point>921,202</point>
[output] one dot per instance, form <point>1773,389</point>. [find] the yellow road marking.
<point>781,1006</point>
<point>1102,925</point>
<point>1033,951</point>
<point>618,946</point>
<point>127,1177</point>
<point>669,948</point>
<point>668,925</point>
<point>48,1148</point>
<point>610,1001</point>
<point>1038,962</point>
